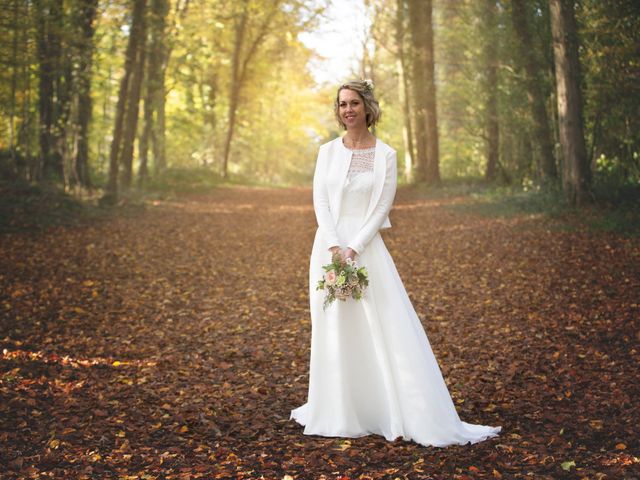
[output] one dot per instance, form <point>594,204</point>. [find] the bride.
<point>372,370</point>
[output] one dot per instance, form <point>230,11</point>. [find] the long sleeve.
<point>381,210</point>
<point>321,202</point>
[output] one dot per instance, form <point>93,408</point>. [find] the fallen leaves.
<point>161,345</point>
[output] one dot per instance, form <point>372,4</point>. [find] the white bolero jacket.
<point>330,174</point>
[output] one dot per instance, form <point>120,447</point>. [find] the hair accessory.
<point>368,84</point>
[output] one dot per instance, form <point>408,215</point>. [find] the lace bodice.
<point>361,161</point>
<point>359,183</point>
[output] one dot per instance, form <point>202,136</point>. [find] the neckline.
<point>357,149</point>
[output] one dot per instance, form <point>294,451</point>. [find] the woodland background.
<point>115,95</point>
<point>156,158</point>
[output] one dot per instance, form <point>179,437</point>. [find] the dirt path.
<point>173,344</point>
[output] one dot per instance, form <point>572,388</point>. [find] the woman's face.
<point>351,109</point>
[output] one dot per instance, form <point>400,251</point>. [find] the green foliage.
<point>611,35</point>
<point>183,180</point>
<point>618,171</point>
<point>282,115</point>
<point>510,202</point>
<point>18,100</point>
<point>29,207</point>
<point>616,208</point>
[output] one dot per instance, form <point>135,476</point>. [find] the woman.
<point>372,370</point>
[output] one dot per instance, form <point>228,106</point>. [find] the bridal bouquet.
<point>342,279</point>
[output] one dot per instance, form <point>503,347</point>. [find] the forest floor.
<point>172,342</point>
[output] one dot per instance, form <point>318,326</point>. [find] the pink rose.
<point>330,277</point>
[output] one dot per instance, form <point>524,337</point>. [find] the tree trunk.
<point>240,61</point>
<point>14,83</point>
<point>158,138</point>
<point>129,64</point>
<point>234,93</point>
<point>576,173</point>
<point>210,100</point>
<point>404,87</point>
<point>139,30</point>
<point>534,85</point>
<point>424,92</point>
<point>86,17</point>
<point>49,15</point>
<point>492,126</point>
<point>155,71</point>
<point>30,164</point>
<point>65,91</point>
<point>143,141</point>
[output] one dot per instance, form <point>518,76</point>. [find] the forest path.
<point>174,343</point>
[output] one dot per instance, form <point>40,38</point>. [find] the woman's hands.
<point>347,253</point>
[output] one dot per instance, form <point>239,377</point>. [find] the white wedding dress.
<point>372,370</point>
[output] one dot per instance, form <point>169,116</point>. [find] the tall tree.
<point>247,41</point>
<point>576,173</point>
<point>86,15</point>
<point>492,125</point>
<point>542,136</point>
<point>240,27</point>
<point>123,141</point>
<point>163,48</point>
<point>139,30</point>
<point>424,91</point>
<point>27,131</point>
<point>458,51</point>
<point>50,26</point>
<point>404,88</point>
<point>154,92</point>
<point>14,85</point>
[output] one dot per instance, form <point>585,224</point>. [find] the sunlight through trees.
<point>114,95</point>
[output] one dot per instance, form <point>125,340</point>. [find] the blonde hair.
<point>364,88</point>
